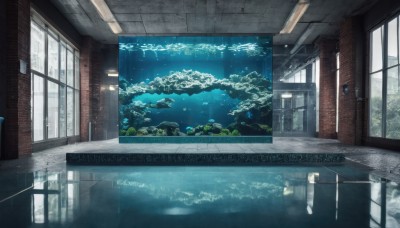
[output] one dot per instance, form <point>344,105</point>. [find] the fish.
<point>163,103</point>
<point>211,121</point>
<point>189,128</point>
<point>146,120</point>
<point>184,109</point>
<point>160,105</point>
<point>205,103</point>
<point>249,115</point>
<point>167,99</point>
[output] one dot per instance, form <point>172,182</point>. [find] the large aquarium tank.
<point>195,86</point>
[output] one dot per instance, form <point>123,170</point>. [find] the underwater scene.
<point>195,86</point>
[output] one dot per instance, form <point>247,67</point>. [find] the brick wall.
<point>92,89</point>
<point>3,57</point>
<point>86,71</point>
<point>18,122</point>
<point>327,95</point>
<point>351,73</point>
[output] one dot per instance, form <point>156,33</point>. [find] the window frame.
<point>48,30</point>
<point>384,71</point>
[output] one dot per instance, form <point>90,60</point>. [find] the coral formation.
<point>131,131</point>
<point>253,90</point>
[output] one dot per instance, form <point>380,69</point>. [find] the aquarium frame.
<point>195,139</point>
<point>195,34</point>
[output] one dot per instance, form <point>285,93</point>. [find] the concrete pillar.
<point>327,94</point>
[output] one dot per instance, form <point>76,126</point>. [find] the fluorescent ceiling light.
<point>115,27</point>
<point>295,16</point>
<point>106,15</point>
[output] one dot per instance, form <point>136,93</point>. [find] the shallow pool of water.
<point>274,196</point>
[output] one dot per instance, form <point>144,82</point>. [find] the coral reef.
<point>253,90</point>
<point>166,128</point>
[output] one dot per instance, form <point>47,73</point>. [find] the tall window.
<point>55,84</point>
<point>298,77</point>
<point>384,107</point>
<point>315,79</point>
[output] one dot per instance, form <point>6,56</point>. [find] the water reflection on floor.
<point>277,196</point>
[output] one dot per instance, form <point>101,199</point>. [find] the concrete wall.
<point>109,97</point>
<point>99,105</point>
<point>382,10</point>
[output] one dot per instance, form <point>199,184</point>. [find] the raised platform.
<point>201,158</point>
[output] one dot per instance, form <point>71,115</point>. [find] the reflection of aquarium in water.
<point>195,86</point>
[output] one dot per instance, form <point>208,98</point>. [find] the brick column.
<point>18,139</point>
<point>351,70</point>
<point>86,72</point>
<point>92,91</point>
<point>327,94</point>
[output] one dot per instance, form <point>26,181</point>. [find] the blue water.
<point>277,196</point>
<point>144,59</point>
<point>208,105</point>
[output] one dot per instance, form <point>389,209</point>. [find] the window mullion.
<point>46,97</point>
<point>398,52</point>
<point>59,87</point>
<point>33,106</point>
<point>384,77</point>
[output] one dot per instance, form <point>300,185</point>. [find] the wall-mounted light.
<point>107,16</point>
<point>112,87</point>
<point>112,73</point>
<point>295,15</point>
<point>345,89</point>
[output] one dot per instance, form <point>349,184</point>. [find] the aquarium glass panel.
<point>195,86</point>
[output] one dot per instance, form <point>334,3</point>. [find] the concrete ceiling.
<point>188,17</point>
<point>146,17</point>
